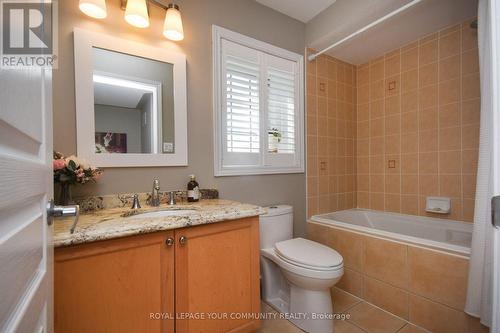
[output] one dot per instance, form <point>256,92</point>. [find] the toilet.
<point>297,273</point>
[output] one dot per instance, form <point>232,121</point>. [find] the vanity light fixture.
<point>172,28</point>
<point>136,14</point>
<point>94,8</point>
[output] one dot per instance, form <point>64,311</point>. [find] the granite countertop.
<point>119,222</point>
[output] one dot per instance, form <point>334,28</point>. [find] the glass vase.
<point>64,198</point>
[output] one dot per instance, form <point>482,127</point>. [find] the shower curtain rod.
<point>369,26</point>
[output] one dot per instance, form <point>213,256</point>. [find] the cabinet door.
<point>120,285</point>
<point>217,274</point>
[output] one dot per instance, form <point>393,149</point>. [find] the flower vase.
<point>64,194</point>
<point>273,143</point>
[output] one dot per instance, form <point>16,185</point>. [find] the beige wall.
<point>243,16</point>
<point>428,124</point>
<point>331,135</point>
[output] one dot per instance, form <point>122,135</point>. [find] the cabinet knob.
<point>183,240</point>
<point>169,241</point>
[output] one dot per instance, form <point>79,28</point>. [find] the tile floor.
<point>364,318</point>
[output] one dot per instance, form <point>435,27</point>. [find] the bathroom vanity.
<point>188,272</point>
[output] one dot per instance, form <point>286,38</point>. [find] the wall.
<point>331,135</point>
<point>423,286</point>
<point>428,124</point>
<point>243,16</point>
<point>146,107</point>
<point>130,123</point>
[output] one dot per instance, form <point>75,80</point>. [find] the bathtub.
<point>448,235</point>
<point>406,265</point>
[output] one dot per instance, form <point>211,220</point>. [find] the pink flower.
<point>58,164</point>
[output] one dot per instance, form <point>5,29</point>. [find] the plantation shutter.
<point>259,108</point>
<point>282,111</point>
<point>242,93</point>
<point>241,105</point>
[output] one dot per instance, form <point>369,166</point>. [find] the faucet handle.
<point>180,194</point>
<point>136,204</point>
<point>172,198</point>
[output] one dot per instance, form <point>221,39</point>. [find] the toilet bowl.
<point>297,274</point>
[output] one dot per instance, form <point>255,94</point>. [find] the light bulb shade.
<point>172,28</point>
<point>136,13</point>
<point>93,8</point>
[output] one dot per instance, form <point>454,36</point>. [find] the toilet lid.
<point>308,253</point>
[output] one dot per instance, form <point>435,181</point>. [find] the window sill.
<point>245,171</point>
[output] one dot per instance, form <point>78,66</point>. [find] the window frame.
<point>219,34</point>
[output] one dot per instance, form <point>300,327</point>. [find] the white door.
<point>26,253</point>
<point>495,55</point>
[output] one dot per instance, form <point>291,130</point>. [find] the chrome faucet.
<point>155,194</point>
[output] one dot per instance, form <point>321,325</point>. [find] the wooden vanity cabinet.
<point>217,274</point>
<point>114,285</point>
<point>202,282</point>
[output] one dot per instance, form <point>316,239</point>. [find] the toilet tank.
<point>276,225</point>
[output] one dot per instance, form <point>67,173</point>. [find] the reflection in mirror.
<point>133,104</point>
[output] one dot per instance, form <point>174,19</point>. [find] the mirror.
<point>131,102</point>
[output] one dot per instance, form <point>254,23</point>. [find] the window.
<point>258,106</point>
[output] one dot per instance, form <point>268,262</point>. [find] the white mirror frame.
<point>84,41</point>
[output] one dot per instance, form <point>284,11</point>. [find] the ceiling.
<point>125,97</point>
<point>298,9</point>
<point>328,21</point>
<point>417,21</point>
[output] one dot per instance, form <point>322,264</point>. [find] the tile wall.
<point>331,135</point>
<point>424,287</point>
<point>386,134</point>
<point>418,125</point>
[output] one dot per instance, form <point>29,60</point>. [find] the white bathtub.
<point>448,235</point>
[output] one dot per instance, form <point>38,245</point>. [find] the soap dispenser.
<point>193,189</point>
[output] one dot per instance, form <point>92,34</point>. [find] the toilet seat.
<point>321,269</point>
<point>308,254</point>
<point>307,272</point>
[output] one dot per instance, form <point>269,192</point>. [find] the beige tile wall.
<point>425,287</point>
<point>418,108</point>
<point>331,135</point>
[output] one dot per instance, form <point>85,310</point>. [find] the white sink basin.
<point>165,213</point>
